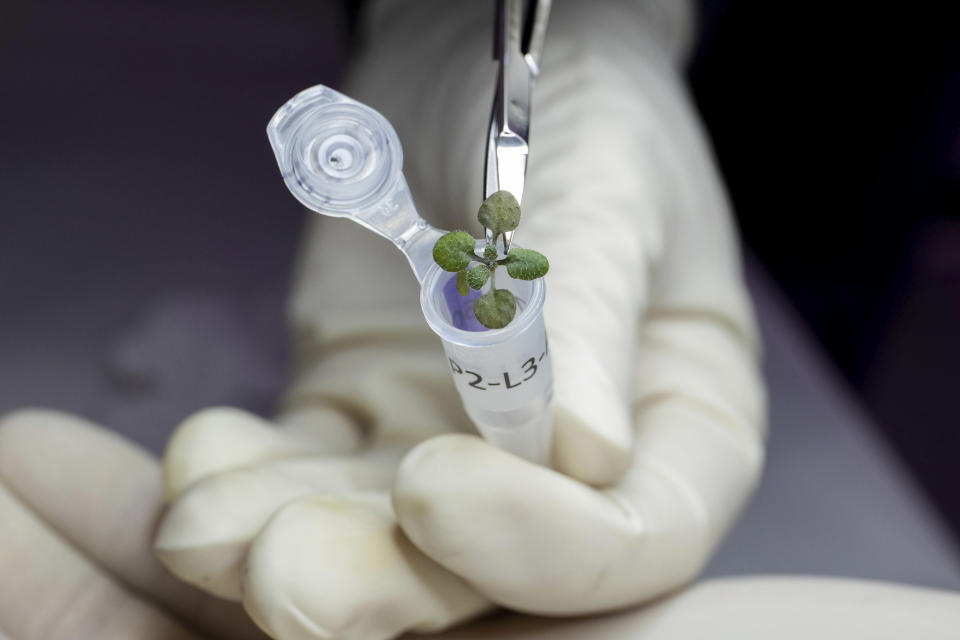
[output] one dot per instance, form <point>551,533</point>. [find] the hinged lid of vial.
<point>341,158</point>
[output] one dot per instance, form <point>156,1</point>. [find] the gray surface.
<point>834,499</point>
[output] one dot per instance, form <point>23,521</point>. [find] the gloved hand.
<point>659,415</point>
<point>78,510</point>
<point>78,507</point>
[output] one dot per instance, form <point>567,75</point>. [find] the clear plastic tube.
<point>341,158</point>
<point>504,376</point>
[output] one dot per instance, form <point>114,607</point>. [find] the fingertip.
<point>214,440</point>
<point>423,470</point>
<point>338,566</point>
<point>203,536</point>
<point>309,572</point>
<point>212,568</point>
<point>276,568</point>
<point>439,448</point>
<point>450,490</point>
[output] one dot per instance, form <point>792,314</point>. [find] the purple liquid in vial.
<point>461,307</point>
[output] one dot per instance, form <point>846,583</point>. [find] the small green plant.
<point>456,252</point>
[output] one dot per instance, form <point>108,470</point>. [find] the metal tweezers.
<point>519,32</point>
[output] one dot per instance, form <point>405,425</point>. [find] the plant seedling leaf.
<point>462,287</point>
<point>495,309</point>
<point>526,264</point>
<point>454,251</point>
<point>500,212</point>
<point>490,252</point>
<point>477,277</point>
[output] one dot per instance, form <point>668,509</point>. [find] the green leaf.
<point>454,251</point>
<point>462,287</point>
<point>490,252</point>
<point>477,277</point>
<point>495,309</point>
<point>500,212</point>
<point>526,264</point>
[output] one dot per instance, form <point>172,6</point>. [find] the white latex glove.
<point>659,416</point>
<point>78,506</point>
<point>78,511</point>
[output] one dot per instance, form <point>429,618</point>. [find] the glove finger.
<point>63,591</point>
<point>221,438</point>
<point>538,541</point>
<point>79,517</point>
<point>340,567</point>
<point>205,533</point>
<point>523,535</point>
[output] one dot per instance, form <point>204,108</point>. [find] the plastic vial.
<point>504,376</point>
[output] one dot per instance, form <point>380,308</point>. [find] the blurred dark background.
<point>146,234</point>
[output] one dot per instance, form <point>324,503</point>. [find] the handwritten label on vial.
<point>505,379</point>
